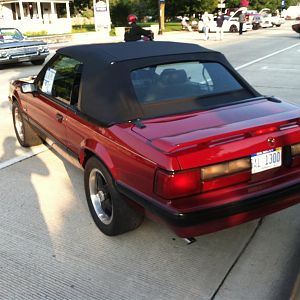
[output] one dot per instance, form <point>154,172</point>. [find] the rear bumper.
<point>218,217</point>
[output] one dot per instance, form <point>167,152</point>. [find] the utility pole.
<point>161,16</point>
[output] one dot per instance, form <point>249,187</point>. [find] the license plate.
<point>23,59</point>
<point>266,160</point>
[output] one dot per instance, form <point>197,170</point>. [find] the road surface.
<point>51,249</point>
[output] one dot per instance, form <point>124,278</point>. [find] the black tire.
<point>26,136</point>
<point>233,28</point>
<point>38,62</point>
<point>109,209</point>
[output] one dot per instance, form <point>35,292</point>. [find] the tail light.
<point>264,131</point>
<point>226,168</point>
<point>170,185</point>
<point>295,149</point>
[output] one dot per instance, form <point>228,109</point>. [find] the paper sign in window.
<point>48,81</point>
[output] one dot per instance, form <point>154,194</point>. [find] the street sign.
<point>102,16</point>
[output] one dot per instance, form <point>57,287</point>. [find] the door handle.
<point>59,117</point>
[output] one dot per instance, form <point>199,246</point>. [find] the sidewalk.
<point>175,36</point>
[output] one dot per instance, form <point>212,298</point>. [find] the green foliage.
<point>172,26</point>
<point>233,3</point>
<point>36,33</point>
<point>119,9</point>
<point>87,13</point>
<point>272,4</point>
<point>83,28</point>
<point>119,13</point>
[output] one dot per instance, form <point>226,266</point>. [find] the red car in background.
<point>166,130</point>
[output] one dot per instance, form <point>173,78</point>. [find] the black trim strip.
<point>209,214</point>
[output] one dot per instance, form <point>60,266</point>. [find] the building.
<point>52,16</point>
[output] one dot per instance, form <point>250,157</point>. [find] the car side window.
<point>62,80</point>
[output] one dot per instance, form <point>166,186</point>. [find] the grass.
<point>91,27</point>
<point>173,27</point>
<point>169,26</point>
<point>36,33</point>
<point>83,28</point>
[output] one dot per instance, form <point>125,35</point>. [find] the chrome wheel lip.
<point>98,196</point>
<point>19,124</point>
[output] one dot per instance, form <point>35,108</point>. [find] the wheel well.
<point>87,155</point>
<point>233,28</point>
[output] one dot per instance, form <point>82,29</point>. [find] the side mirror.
<point>28,88</point>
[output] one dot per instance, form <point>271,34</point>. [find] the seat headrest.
<point>173,76</point>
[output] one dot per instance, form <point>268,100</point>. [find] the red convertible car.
<point>162,129</point>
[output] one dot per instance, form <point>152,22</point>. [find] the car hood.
<point>175,133</point>
<point>16,44</point>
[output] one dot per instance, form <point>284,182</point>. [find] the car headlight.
<point>3,53</point>
<point>43,48</point>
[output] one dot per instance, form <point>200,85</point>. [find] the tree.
<point>119,13</point>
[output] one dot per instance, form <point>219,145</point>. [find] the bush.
<point>88,13</point>
<point>36,33</point>
<point>119,13</point>
<point>83,28</point>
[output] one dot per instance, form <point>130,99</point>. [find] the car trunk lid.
<point>218,127</point>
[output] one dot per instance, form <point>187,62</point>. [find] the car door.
<point>49,105</point>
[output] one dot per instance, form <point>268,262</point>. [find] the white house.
<point>52,16</point>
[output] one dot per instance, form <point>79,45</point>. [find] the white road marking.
<point>33,152</point>
<point>265,57</point>
<point>279,69</point>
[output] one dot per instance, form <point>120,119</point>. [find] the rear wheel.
<point>109,209</point>
<point>26,136</point>
<point>233,28</point>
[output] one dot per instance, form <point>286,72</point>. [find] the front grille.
<point>22,51</point>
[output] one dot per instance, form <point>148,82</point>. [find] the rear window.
<point>186,86</point>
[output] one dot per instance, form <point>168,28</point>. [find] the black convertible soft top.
<point>107,94</point>
<point>113,52</point>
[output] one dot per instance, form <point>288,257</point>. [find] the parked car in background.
<point>292,12</point>
<point>233,21</point>
<point>167,130</point>
<point>254,18</point>
<point>270,19</point>
<point>14,48</point>
<point>230,24</point>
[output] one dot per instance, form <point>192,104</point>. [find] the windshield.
<point>186,86</point>
<point>10,34</point>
